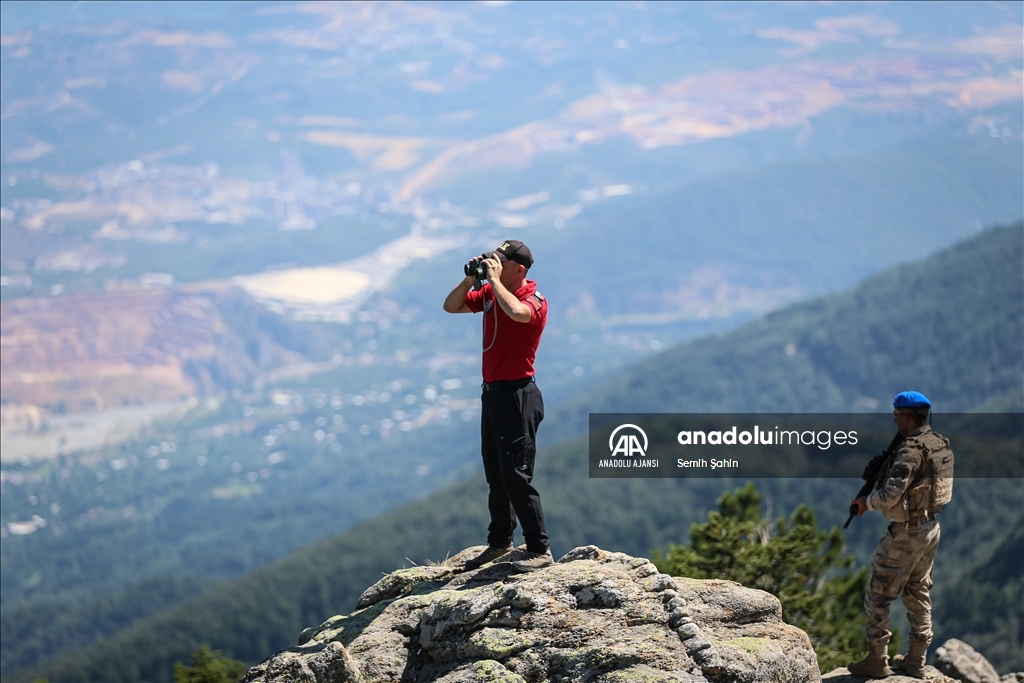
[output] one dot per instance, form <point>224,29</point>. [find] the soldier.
<point>914,484</point>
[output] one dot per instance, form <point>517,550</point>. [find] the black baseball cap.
<point>514,250</point>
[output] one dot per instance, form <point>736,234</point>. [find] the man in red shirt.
<point>514,316</point>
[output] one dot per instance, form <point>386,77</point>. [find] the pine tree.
<point>791,559</point>
<point>209,667</point>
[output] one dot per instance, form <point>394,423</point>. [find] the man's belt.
<point>507,384</point>
<point>916,519</point>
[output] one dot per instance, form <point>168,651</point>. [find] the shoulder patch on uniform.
<point>539,295</point>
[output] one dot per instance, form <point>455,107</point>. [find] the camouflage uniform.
<point>904,558</point>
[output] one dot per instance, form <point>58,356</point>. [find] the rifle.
<point>871,473</point>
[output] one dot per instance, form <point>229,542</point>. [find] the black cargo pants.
<point>508,431</point>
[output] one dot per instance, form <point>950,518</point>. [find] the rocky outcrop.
<point>593,617</point>
<point>962,662</point>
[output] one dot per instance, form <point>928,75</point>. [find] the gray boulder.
<point>841,675</point>
<point>956,662</point>
<point>592,617</point>
<point>961,662</point>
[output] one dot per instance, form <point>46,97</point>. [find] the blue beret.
<point>911,399</point>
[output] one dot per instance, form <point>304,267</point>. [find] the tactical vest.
<point>932,488</point>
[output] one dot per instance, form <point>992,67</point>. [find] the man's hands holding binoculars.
<point>483,267</point>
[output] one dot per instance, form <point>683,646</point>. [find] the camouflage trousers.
<point>902,565</point>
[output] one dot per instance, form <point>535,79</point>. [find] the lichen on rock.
<point>592,617</point>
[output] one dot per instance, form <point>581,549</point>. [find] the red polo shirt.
<point>509,354</point>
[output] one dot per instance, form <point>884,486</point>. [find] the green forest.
<point>963,350</point>
<point>950,324</point>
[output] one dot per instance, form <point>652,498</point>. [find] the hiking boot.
<point>492,553</point>
<point>534,561</point>
<point>913,667</point>
<point>875,665</point>
<point>912,663</point>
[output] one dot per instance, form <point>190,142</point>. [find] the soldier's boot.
<point>912,663</point>
<point>875,665</point>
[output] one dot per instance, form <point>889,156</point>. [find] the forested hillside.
<point>950,325</point>
<point>852,218</point>
<point>984,606</point>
